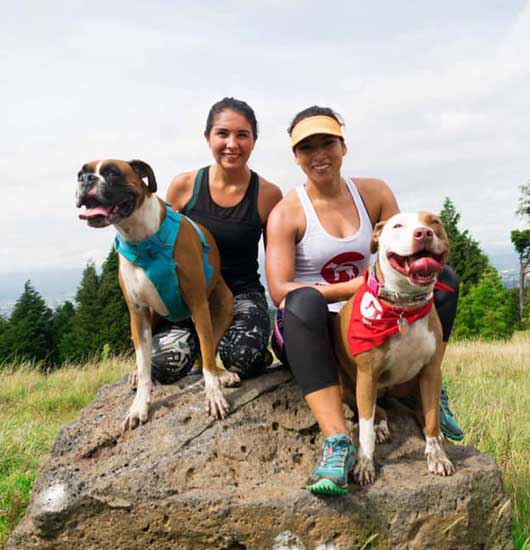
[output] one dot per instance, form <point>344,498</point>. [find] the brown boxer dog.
<point>114,192</point>
<point>388,336</point>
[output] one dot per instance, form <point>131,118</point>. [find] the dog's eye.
<point>397,225</point>
<point>435,222</point>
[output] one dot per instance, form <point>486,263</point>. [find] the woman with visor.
<point>318,246</point>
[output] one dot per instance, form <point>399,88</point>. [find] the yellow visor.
<point>320,124</point>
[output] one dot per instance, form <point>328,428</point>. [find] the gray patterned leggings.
<point>243,349</point>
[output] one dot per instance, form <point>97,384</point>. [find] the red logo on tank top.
<point>341,268</point>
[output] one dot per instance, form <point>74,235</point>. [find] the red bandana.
<point>372,321</point>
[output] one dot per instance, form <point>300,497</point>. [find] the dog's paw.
<point>216,404</point>
<point>382,432</point>
<point>229,379</point>
<point>437,461</point>
<point>440,466</point>
<point>138,414</point>
<point>364,471</point>
<point>132,380</point>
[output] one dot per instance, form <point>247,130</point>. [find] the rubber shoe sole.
<point>451,435</point>
<point>326,487</point>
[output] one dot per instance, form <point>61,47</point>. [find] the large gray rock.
<point>185,481</point>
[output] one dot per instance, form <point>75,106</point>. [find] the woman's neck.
<point>237,177</point>
<point>330,189</point>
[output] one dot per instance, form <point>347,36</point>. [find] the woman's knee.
<point>305,303</point>
<point>173,354</point>
<point>446,301</point>
<point>247,359</point>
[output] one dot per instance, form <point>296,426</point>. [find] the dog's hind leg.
<point>382,432</point>
<point>221,303</point>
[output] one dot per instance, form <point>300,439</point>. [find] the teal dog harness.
<point>155,257</point>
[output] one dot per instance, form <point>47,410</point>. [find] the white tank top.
<point>324,259</point>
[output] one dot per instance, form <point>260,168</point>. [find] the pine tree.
<point>113,323</point>
<point>466,258</point>
<point>521,243</point>
<point>486,311</point>
<point>82,341</point>
<point>28,335</point>
<point>63,322</point>
<point>4,349</point>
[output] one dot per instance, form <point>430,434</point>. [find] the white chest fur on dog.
<point>139,288</point>
<point>408,353</point>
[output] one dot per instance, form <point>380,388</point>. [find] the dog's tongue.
<point>425,267</point>
<point>93,212</point>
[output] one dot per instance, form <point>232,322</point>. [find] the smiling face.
<point>111,190</point>
<point>230,139</point>
<point>413,247</point>
<point>320,156</point>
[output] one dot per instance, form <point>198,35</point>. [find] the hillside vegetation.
<point>488,384</point>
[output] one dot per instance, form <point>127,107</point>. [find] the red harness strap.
<point>372,321</point>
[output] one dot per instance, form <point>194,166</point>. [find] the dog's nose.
<point>423,234</point>
<point>89,179</point>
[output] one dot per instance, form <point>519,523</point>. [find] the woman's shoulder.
<point>269,195</point>
<point>269,189</point>
<point>180,189</point>
<point>288,208</point>
<point>370,185</point>
<point>377,197</point>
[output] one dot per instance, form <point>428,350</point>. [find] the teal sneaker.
<point>448,424</point>
<point>330,477</point>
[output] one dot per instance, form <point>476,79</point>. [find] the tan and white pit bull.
<point>388,336</point>
<point>114,192</point>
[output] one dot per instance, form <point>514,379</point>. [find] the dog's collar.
<point>404,300</point>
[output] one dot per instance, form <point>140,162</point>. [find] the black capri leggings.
<point>305,325</point>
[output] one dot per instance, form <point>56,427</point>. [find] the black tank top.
<point>236,230</point>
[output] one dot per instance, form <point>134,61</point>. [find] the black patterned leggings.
<point>243,348</point>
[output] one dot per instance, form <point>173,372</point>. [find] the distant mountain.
<point>507,264</point>
<point>56,286</point>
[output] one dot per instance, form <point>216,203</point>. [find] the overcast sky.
<point>435,97</point>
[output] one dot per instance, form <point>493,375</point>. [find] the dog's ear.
<point>144,171</point>
<point>374,242</point>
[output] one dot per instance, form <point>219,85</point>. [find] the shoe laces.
<point>444,403</point>
<point>334,453</point>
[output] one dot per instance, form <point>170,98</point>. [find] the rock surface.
<point>183,481</point>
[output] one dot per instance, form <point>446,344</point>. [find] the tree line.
<point>97,323</point>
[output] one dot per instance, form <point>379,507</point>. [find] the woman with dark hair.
<point>233,203</point>
<point>318,246</point>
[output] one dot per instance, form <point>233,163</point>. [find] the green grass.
<point>33,408</point>
<point>488,384</point>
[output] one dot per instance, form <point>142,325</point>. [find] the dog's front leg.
<point>366,395</point>
<point>430,381</point>
<point>216,404</point>
<point>142,337</point>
